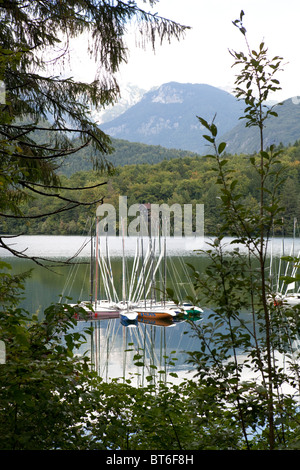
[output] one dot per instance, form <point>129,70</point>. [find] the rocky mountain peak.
<point>167,116</point>
<point>167,94</point>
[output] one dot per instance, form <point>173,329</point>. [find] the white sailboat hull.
<point>100,309</point>
<point>131,316</point>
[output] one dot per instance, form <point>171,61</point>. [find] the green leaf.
<point>204,122</point>
<point>214,130</point>
<point>210,139</point>
<point>221,147</point>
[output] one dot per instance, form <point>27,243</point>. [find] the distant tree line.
<point>185,180</point>
<point>123,153</point>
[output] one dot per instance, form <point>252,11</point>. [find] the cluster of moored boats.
<point>147,312</point>
<point>139,299</point>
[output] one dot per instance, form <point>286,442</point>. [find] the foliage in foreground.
<point>50,398</point>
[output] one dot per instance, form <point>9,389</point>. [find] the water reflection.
<point>142,352</point>
<point>113,346</point>
<point>66,246</point>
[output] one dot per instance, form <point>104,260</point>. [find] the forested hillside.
<point>125,153</point>
<point>187,180</point>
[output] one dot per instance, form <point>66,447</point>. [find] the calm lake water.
<point>113,345</point>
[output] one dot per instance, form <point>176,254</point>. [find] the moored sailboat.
<point>286,293</point>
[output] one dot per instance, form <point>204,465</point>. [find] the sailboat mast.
<point>165,270</point>
<point>123,265</point>
<point>92,266</point>
<point>97,260</point>
<point>143,267</point>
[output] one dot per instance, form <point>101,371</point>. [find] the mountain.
<point>167,116</point>
<point>283,129</point>
<point>130,95</point>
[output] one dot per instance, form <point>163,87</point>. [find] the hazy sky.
<point>203,57</point>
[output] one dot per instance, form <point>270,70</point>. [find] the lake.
<point>113,345</point>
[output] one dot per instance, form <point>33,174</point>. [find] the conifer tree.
<point>41,111</point>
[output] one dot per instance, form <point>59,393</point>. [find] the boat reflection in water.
<point>142,350</point>
<point>155,321</point>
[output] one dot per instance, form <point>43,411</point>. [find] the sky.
<point>203,55</point>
